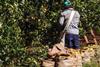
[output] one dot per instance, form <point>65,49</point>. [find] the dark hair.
<point>67,7</point>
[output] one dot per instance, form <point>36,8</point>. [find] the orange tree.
<point>19,29</point>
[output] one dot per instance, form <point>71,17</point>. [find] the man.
<point>71,37</point>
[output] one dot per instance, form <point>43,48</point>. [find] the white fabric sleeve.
<point>61,20</point>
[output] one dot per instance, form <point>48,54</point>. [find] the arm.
<point>61,20</point>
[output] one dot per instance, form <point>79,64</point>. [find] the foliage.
<point>89,11</point>
<point>34,23</point>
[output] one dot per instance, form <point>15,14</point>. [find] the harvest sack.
<point>48,63</point>
<point>70,62</point>
<point>57,49</point>
<point>66,63</point>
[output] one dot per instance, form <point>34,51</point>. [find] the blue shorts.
<point>72,40</point>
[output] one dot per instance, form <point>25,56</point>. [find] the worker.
<point>71,35</point>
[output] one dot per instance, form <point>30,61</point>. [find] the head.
<point>67,4</point>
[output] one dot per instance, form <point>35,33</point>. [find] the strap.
<point>69,20</point>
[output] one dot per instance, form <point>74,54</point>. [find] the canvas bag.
<point>48,63</point>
